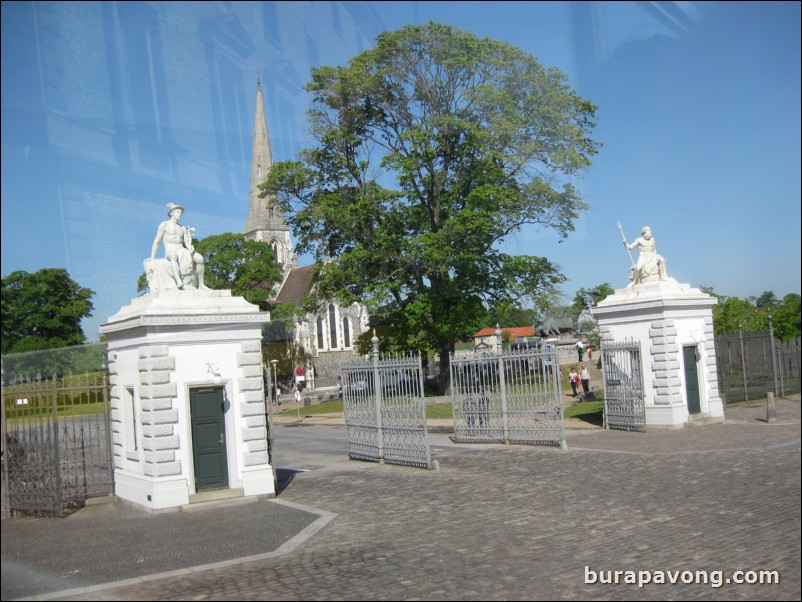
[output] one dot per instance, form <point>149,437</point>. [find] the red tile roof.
<point>516,332</point>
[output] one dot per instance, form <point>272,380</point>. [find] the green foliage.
<point>432,148</point>
<point>247,267</point>
<point>584,295</point>
<point>508,314</point>
<point>732,314</point>
<point>43,310</point>
<point>767,299</point>
<point>786,318</point>
<point>287,313</point>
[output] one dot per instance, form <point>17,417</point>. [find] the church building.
<point>327,337</point>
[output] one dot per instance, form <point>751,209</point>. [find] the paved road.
<point>494,523</point>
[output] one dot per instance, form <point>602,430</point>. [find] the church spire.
<point>265,221</point>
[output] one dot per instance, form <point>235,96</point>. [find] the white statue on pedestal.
<point>650,267</point>
<point>182,268</point>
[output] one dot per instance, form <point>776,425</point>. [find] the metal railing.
<point>624,406</point>
<point>57,443</point>
<point>509,397</point>
<point>752,363</point>
<point>385,411</point>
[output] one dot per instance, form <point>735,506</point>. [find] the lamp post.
<point>773,359</point>
<point>275,378</point>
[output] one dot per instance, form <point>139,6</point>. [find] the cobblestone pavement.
<point>531,523</point>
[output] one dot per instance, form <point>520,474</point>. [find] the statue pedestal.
<point>674,325</point>
<point>188,411</point>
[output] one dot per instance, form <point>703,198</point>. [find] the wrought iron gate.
<point>513,397</point>
<point>57,448</point>
<point>623,386</point>
<point>385,411</point>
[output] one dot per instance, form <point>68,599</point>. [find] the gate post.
<point>6,496</point>
<point>104,367</point>
<point>743,361</point>
<point>57,446</point>
<point>502,387</point>
<point>773,361</point>
<point>377,396</point>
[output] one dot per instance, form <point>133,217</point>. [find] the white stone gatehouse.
<point>188,405</point>
<point>674,325</point>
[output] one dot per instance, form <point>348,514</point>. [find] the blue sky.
<point>111,110</point>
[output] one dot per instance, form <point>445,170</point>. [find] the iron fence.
<point>57,443</point>
<point>511,397</point>
<point>752,363</point>
<point>624,406</point>
<point>385,410</point>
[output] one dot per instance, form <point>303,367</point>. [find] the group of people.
<point>580,351</point>
<point>582,377</point>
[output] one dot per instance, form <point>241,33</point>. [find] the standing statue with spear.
<point>650,266</point>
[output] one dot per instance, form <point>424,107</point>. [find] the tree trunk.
<point>444,378</point>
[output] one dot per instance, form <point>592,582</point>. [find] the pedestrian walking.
<point>580,350</point>
<point>584,376</point>
<point>573,378</point>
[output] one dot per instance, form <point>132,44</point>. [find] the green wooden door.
<point>691,380</point>
<point>208,438</point>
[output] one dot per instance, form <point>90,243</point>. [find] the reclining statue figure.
<point>182,268</point>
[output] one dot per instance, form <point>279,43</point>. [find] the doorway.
<point>207,408</point>
<point>691,380</point>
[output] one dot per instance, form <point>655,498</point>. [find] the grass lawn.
<point>335,406</point>
<point>585,409</point>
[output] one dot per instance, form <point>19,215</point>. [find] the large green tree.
<point>432,148</point>
<point>43,310</point>
<point>247,267</point>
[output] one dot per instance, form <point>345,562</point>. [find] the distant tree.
<point>508,314</point>
<point>594,295</point>
<point>43,310</point>
<point>732,314</point>
<point>767,299</point>
<point>786,318</point>
<point>247,267</point>
<point>476,140</point>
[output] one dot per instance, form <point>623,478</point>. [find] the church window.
<point>346,333</point>
<point>320,345</point>
<point>333,326</point>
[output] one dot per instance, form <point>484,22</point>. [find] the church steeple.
<point>265,221</point>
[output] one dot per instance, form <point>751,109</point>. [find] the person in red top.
<point>573,378</point>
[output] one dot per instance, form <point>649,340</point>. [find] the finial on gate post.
<point>374,340</point>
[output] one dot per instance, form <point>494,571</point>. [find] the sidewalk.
<point>495,522</point>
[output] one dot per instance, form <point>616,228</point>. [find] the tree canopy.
<point>247,267</point>
<point>431,149</point>
<point>585,297</point>
<point>43,310</point>
<point>732,314</point>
